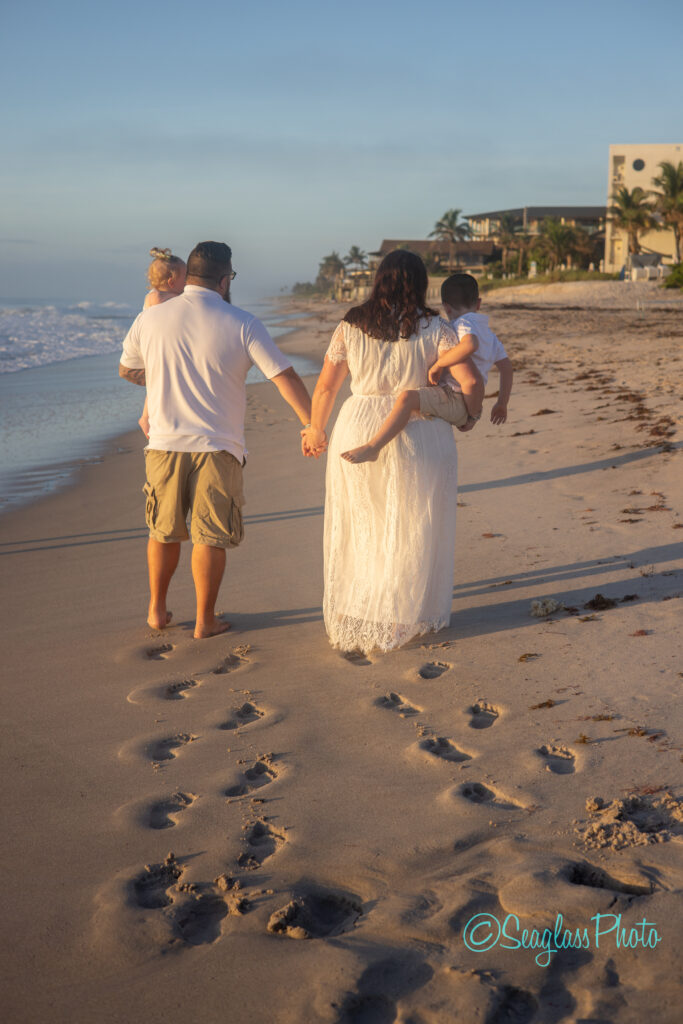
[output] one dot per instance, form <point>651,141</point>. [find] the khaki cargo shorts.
<point>208,483</point>
<point>444,403</point>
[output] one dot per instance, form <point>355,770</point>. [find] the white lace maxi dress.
<point>390,524</point>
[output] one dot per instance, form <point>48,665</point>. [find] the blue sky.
<point>289,130</point>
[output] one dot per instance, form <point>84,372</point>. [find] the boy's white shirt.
<point>489,349</point>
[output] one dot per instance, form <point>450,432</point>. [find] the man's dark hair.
<point>209,261</point>
<point>460,291</point>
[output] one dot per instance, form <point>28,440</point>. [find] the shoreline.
<point>32,482</point>
<point>508,765</point>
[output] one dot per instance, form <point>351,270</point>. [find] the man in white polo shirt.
<point>193,353</point>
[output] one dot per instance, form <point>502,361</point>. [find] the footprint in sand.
<point>243,716</point>
<point>317,915</point>
<point>477,793</point>
<point>229,664</point>
<point>395,702</point>
<point>159,653</point>
<point>262,842</point>
<point>441,747</point>
<point>433,669</point>
<point>356,658</point>
<point>261,773</point>
<point>162,750</point>
<point>512,1005</point>
<point>163,813</point>
<point>196,909</point>
<point>559,760</point>
<point>151,887</point>
<point>394,976</point>
<point>583,873</point>
<point>197,921</point>
<point>483,715</point>
<point>179,690</point>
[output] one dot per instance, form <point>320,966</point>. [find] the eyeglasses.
<point>233,275</point>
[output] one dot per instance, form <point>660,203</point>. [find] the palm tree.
<point>507,231</point>
<point>450,229</point>
<point>523,243</point>
<point>329,269</point>
<point>557,241</point>
<point>356,258</point>
<point>668,201</point>
<point>632,213</point>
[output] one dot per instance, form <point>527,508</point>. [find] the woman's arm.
<point>332,376</point>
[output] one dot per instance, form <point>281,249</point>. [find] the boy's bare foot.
<point>211,629</point>
<point>469,424</point>
<point>365,453</point>
<point>159,620</point>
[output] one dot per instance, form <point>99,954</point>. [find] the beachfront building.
<point>630,166</point>
<point>529,219</point>
<point>440,256</point>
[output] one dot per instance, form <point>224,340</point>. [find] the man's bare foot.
<point>211,629</point>
<point>159,620</point>
<point>366,453</point>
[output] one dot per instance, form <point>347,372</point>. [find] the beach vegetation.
<point>675,278</point>
<point>330,269</point>
<point>557,242</point>
<point>668,201</point>
<point>633,212</point>
<point>449,228</point>
<point>356,258</point>
<point>507,234</point>
<point>554,277</point>
<point>304,288</point>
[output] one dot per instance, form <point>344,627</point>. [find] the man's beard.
<point>226,295</point>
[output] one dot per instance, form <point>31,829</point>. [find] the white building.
<point>632,165</point>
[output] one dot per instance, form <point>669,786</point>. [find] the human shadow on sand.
<point>76,540</point>
<point>593,568</point>
<point>499,616</point>
<point>539,476</point>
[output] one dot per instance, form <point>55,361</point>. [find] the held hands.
<point>313,442</point>
<point>499,413</point>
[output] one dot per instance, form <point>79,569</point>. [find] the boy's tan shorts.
<point>208,483</point>
<point>444,403</point>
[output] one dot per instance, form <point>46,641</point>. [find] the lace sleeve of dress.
<point>336,353</point>
<point>447,338</point>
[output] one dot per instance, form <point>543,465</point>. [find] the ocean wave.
<point>36,336</point>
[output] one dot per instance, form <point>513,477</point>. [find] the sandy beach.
<point>254,828</point>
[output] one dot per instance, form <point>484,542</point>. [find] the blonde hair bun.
<point>160,254</point>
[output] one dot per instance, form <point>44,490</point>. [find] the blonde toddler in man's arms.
<point>166,275</point>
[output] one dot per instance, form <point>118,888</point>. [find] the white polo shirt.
<point>196,351</point>
<point>490,349</point>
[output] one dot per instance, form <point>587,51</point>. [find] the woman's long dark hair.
<point>398,299</point>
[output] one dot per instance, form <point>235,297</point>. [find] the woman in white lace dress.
<point>390,524</point>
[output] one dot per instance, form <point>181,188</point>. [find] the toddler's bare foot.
<point>159,619</point>
<point>469,424</point>
<point>366,453</point>
<point>204,630</point>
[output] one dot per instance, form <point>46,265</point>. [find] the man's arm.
<point>134,376</point>
<point>293,390</point>
<point>499,412</point>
